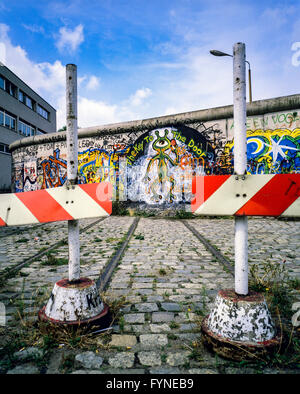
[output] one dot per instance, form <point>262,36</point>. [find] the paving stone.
<point>136,328</point>
<point>122,360</point>
<point>178,358</point>
<point>153,340</point>
<point>30,352</point>
<point>150,358</point>
<point>89,360</point>
<point>142,285</point>
<point>159,317</point>
<point>157,328</point>
<point>123,340</point>
<point>147,307</point>
<point>134,318</point>
<point>171,307</point>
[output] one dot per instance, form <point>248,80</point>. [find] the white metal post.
<point>72,166</point>
<point>240,163</point>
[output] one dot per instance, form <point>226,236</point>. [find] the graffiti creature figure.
<point>161,145</point>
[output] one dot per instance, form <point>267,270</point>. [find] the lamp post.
<point>240,159</point>
<point>215,52</point>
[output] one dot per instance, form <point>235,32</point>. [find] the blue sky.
<point>138,59</point>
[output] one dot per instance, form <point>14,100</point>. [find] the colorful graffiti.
<point>30,175</point>
<point>52,171</point>
<point>161,163</point>
<point>271,151</point>
<point>157,166</point>
<point>98,165</point>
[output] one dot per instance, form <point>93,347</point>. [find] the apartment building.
<point>23,113</point>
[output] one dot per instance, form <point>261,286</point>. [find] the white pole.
<point>240,164</point>
<point>72,167</point>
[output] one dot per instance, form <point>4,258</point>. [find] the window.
<point>2,83</point>
<point>26,129</point>
<point>4,148</point>
<point>21,96</point>
<point>10,88</point>
<point>26,100</point>
<point>41,111</point>
<point>7,120</point>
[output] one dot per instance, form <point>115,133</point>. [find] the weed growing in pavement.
<point>183,214</point>
<point>26,331</point>
<point>272,279</point>
<point>52,260</point>
<point>139,236</point>
<point>67,363</point>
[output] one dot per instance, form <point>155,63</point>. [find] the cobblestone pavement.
<point>167,276</point>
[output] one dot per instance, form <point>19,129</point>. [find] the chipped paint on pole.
<point>72,165</point>
<point>240,164</point>
<point>75,301</point>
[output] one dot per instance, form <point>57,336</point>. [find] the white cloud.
<point>139,96</point>
<point>70,39</point>
<point>93,112</point>
<point>93,83</point>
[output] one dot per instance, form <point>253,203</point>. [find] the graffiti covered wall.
<point>156,165</point>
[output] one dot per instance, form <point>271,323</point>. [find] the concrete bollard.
<point>240,327</point>
<point>75,304</point>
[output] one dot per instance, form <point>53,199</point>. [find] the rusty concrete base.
<point>76,304</point>
<point>235,350</point>
<point>240,327</point>
<point>99,322</point>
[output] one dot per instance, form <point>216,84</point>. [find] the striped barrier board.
<point>56,204</point>
<point>248,195</point>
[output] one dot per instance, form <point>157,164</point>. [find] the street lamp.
<point>219,53</point>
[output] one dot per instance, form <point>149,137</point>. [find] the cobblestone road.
<point>167,276</point>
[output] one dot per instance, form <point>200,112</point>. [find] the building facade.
<point>23,113</point>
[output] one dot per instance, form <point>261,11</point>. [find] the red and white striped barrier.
<point>56,204</point>
<point>248,195</point>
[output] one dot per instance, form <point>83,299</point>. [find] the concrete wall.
<point>130,154</point>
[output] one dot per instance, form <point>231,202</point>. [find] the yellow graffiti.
<point>271,150</point>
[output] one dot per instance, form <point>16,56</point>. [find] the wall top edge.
<point>258,107</point>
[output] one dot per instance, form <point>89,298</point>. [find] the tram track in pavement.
<point>12,271</point>
<point>19,230</point>
<point>107,272</point>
